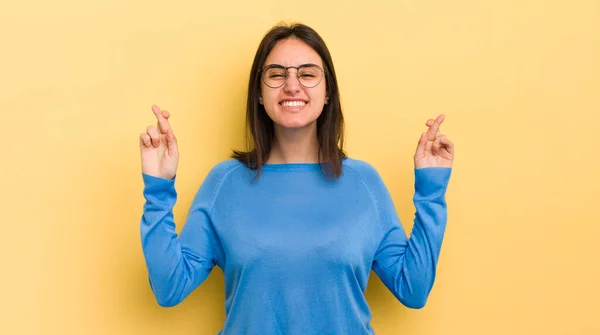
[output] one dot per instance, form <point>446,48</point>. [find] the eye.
<point>275,73</point>
<point>309,72</point>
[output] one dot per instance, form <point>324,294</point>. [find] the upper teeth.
<point>293,103</point>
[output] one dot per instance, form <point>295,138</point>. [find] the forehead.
<point>293,52</point>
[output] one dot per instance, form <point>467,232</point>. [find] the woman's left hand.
<point>434,149</point>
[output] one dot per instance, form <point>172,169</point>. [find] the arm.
<point>407,267</point>
<point>177,265</point>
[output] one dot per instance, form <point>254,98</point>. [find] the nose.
<point>292,84</point>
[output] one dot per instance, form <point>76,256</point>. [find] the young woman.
<point>295,225</point>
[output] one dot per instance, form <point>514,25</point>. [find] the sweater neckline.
<point>292,167</point>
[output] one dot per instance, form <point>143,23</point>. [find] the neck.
<point>294,146</point>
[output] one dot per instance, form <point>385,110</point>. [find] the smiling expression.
<point>293,105</point>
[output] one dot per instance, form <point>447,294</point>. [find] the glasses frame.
<point>287,73</point>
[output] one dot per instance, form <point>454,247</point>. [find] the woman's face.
<point>292,105</point>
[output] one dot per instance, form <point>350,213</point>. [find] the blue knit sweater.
<point>296,249</point>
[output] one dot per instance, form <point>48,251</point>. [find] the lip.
<point>284,100</point>
<point>293,108</point>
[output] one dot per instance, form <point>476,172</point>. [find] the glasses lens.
<point>274,76</point>
<point>310,75</point>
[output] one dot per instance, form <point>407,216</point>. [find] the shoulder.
<point>226,166</point>
<point>363,170</point>
<point>213,182</point>
<point>222,169</point>
<point>220,172</point>
<point>368,176</point>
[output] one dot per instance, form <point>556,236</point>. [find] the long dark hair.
<point>260,130</point>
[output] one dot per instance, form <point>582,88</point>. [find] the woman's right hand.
<point>158,147</point>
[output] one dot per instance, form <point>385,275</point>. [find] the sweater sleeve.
<point>407,267</point>
<point>178,264</point>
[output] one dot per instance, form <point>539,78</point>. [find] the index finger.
<point>163,124</point>
<point>435,127</point>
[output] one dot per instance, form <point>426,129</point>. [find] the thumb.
<point>421,144</point>
<point>172,142</point>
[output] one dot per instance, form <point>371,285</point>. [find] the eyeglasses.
<point>275,75</point>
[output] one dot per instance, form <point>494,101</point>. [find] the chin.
<point>294,125</point>
<point>288,120</point>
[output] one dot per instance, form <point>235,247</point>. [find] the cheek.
<point>269,96</point>
<point>321,92</point>
<point>270,101</point>
<point>318,96</point>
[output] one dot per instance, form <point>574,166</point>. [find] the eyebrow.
<point>279,65</point>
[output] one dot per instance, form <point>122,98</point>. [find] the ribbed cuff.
<point>431,180</point>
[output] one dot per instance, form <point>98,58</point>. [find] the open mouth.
<point>293,104</point>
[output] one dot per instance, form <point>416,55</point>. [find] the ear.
<point>326,100</point>
<point>260,100</point>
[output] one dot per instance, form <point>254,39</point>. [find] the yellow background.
<point>519,82</point>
